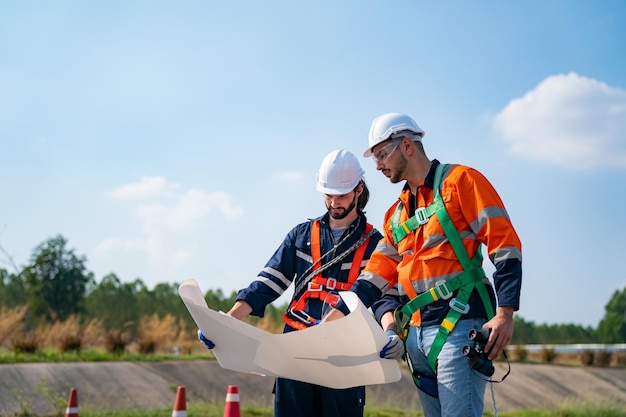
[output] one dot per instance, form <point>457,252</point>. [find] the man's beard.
<point>344,213</point>
<point>398,170</point>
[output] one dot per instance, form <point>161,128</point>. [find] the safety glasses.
<point>381,156</point>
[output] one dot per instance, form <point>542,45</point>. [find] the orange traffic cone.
<point>180,404</point>
<point>72,404</point>
<point>232,402</point>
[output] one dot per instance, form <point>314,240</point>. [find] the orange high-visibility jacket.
<point>424,256</point>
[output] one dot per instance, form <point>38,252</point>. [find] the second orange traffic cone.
<point>72,404</point>
<point>180,404</point>
<point>232,402</point>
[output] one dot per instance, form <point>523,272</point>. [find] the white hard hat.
<point>388,126</point>
<point>340,173</point>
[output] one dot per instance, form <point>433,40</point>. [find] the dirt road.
<point>108,385</point>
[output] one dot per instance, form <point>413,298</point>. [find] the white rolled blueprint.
<point>338,354</point>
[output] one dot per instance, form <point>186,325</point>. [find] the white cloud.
<point>116,244</point>
<point>172,225</point>
<point>191,211</point>
<point>147,187</point>
<point>569,121</point>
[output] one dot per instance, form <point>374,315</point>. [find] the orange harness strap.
<point>320,287</point>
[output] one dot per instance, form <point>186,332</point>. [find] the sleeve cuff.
<point>341,306</point>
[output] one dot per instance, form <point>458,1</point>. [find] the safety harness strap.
<point>320,287</point>
<point>471,277</point>
<point>421,216</point>
<point>458,307</point>
<point>316,251</point>
<point>443,290</point>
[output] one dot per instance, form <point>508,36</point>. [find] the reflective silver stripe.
<point>401,290</point>
<point>423,285</point>
<point>232,397</point>
<point>277,274</point>
<point>376,280</point>
<point>502,254</point>
<point>388,250</point>
<point>466,234</point>
<point>275,287</point>
<point>437,238</point>
<point>446,171</point>
<point>179,413</point>
<point>304,256</point>
<point>348,265</point>
<point>71,410</point>
<point>426,284</point>
<point>486,214</point>
<point>394,290</point>
<point>434,240</point>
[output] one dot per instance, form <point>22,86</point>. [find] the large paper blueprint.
<point>338,354</point>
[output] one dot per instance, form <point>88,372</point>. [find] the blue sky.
<point>175,140</point>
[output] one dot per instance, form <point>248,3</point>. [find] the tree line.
<point>56,285</point>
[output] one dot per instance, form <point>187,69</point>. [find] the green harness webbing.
<point>471,277</point>
<point>421,217</point>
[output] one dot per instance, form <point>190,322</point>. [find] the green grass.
<point>569,409</point>
<point>215,411</point>
<point>52,355</point>
<point>192,410</point>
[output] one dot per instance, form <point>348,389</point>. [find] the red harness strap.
<point>320,287</point>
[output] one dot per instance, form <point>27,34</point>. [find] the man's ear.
<point>407,145</point>
<point>359,189</point>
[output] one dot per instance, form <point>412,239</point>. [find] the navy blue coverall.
<point>291,262</point>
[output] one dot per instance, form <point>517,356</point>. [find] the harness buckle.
<point>458,306</point>
<point>421,216</point>
<point>303,317</point>
<point>314,287</point>
<point>331,283</point>
<point>442,290</point>
<point>331,299</point>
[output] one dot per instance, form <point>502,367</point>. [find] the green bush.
<point>521,353</point>
<point>548,355</point>
<point>70,343</point>
<point>25,343</point>
<point>603,359</point>
<point>620,359</point>
<point>586,357</point>
<point>115,341</point>
<point>146,346</point>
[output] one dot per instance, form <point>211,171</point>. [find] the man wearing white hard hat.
<point>320,257</point>
<point>428,269</point>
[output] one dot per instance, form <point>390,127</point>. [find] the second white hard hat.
<point>387,125</point>
<point>339,173</point>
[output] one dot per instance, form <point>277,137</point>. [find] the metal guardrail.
<point>574,348</point>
